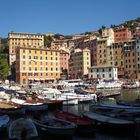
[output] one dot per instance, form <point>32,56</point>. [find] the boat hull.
<point>53,126</point>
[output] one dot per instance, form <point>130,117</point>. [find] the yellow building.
<point>33,64</point>
<point>23,40</point>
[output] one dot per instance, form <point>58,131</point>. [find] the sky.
<point>64,16</point>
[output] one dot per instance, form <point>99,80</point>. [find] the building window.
<point>40,57</point>
<point>56,69</point>
<point>46,68</point>
<point>40,74</point>
<point>103,75</point>
<point>110,75</point>
<point>56,58</point>
<point>29,51</point>
<point>51,69</point>
<point>35,51</point>
<point>23,56</point>
<point>30,68</point>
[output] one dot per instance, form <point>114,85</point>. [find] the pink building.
<point>64,65</point>
<point>122,34</point>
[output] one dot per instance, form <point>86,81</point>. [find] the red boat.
<point>84,125</point>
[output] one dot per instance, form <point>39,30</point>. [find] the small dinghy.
<point>54,126</point>
<point>22,129</point>
<point>4,120</point>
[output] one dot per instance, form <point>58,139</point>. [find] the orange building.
<point>130,61</point>
<point>33,64</point>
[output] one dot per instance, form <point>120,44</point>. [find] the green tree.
<point>47,40</point>
<point>4,68</point>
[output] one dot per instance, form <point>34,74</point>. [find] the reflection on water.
<point>130,94</point>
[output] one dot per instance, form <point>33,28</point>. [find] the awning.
<point>42,78</point>
<point>30,78</point>
<point>36,79</point>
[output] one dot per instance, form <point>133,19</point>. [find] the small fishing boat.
<point>110,122</point>
<point>84,125</point>
<point>11,108</point>
<point>4,120</point>
<point>128,114</point>
<point>53,126</point>
<point>135,103</point>
<point>22,129</point>
<point>30,106</point>
<point>126,108</point>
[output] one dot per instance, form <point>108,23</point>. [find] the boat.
<point>54,104</point>
<point>126,108</point>
<point>30,106</point>
<point>135,103</point>
<point>11,108</point>
<point>84,125</point>
<point>131,85</point>
<point>22,128</point>
<point>53,126</point>
<point>116,112</point>
<point>111,123</point>
<point>4,120</point>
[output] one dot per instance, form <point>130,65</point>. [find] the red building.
<point>122,34</point>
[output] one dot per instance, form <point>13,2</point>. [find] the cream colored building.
<point>79,63</point>
<point>37,65</point>
<point>108,32</point>
<point>103,72</point>
<point>23,40</point>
